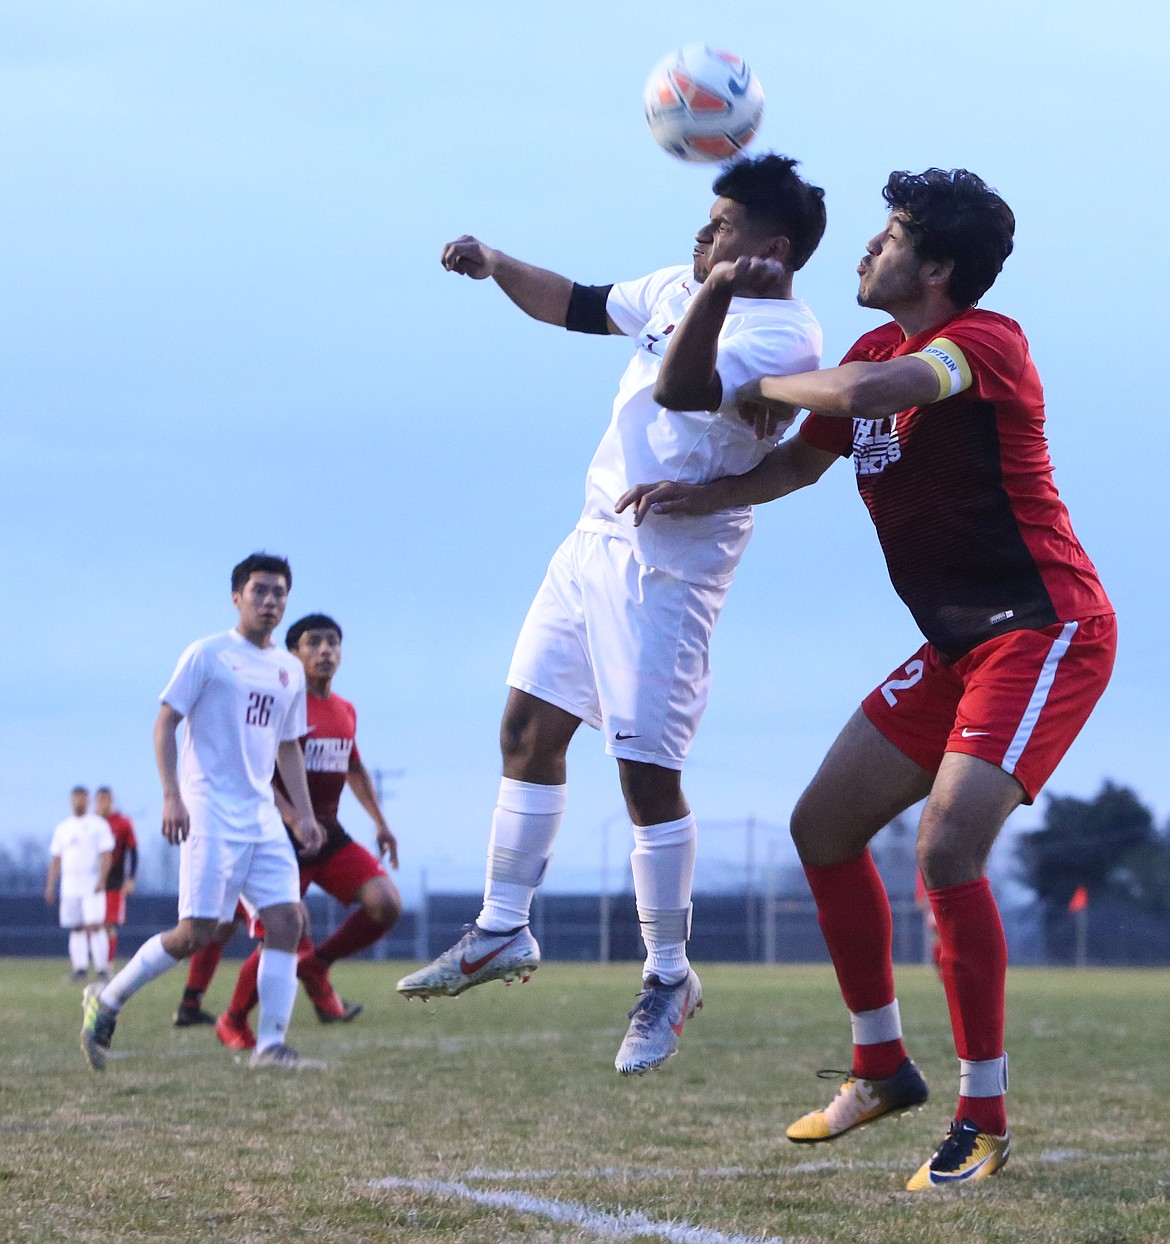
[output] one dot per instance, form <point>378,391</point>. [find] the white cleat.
<point>475,958</point>
<point>656,1023</point>
<point>282,1058</point>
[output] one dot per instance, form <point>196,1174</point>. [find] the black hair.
<point>310,622</point>
<point>80,790</point>
<point>260,563</point>
<point>103,790</point>
<point>774,195</point>
<point>955,216</point>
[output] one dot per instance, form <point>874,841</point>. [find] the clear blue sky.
<point>223,326</point>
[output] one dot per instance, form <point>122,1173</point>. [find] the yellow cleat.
<point>861,1101</point>
<point>967,1154</point>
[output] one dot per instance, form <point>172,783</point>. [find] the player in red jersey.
<point>342,868</point>
<point>942,412</point>
<point>123,864</point>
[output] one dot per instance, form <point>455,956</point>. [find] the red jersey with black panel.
<point>976,539</point>
<point>328,747</point>
<point>125,851</point>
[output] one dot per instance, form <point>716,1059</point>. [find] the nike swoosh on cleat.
<point>468,968</point>
<point>677,1028</point>
<point>944,1177</point>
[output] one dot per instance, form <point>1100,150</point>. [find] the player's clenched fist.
<point>309,834</point>
<point>751,276</point>
<point>176,824</point>
<point>469,257</point>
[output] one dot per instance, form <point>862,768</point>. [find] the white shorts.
<point>214,872</point>
<point>78,910</point>
<point>622,646</point>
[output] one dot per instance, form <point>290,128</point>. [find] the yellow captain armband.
<point>949,364</point>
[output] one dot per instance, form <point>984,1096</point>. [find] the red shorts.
<point>115,907</point>
<point>343,873</point>
<point>1017,701</point>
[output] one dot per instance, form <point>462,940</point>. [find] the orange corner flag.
<point>1079,900</point>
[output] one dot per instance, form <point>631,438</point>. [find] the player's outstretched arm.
<point>855,390</point>
<point>790,466</point>
<point>362,786</point>
<point>688,379</point>
<point>176,824</point>
<point>290,761</point>
<point>539,293</point>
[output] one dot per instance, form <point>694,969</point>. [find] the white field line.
<point>624,1225</point>
<point>822,1167</point>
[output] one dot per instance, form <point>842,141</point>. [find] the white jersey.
<point>240,703</point>
<point>78,842</point>
<point>646,443</point>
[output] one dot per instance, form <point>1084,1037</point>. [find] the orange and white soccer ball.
<point>703,104</point>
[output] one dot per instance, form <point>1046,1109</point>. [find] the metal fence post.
<point>422,924</point>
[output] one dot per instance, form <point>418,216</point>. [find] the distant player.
<point>79,859</point>
<point>123,865</point>
<point>619,633</point>
<point>243,701</point>
<point>342,868</point>
<point>942,413</point>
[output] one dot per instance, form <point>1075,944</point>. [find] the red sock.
<point>854,914</point>
<point>245,996</point>
<point>359,931</point>
<point>113,944</point>
<point>974,973</point>
<point>201,967</point>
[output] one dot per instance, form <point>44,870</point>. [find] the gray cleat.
<point>282,1058</point>
<point>656,1023</point>
<point>475,958</point>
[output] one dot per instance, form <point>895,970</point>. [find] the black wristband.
<point>586,313</point>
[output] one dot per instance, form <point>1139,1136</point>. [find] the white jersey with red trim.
<point>240,702</point>
<point>645,442</point>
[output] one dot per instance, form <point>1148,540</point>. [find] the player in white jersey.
<point>243,701</point>
<point>619,632</point>
<point>79,858</point>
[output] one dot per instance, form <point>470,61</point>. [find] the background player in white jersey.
<point>243,699</point>
<point>79,858</point>
<point>619,631</point>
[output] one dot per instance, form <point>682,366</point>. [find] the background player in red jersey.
<point>942,412</point>
<point>123,864</point>
<point>342,868</point>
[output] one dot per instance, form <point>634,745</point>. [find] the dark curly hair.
<point>769,188</point>
<point>955,216</point>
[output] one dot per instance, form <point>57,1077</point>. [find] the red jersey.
<point>976,539</point>
<point>328,747</point>
<point>125,851</point>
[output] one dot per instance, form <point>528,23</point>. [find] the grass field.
<point>498,1116</point>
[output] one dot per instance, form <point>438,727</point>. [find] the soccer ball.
<point>703,104</point>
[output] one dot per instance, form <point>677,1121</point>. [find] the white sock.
<point>276,983</point>
<point>79,950</point>
<point>99,948</point>
<point>150,962</point>
<point>663,863</point>
<point>525,823</point>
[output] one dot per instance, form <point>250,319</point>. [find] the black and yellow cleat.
<point>97,1027</point>
<point>861,1101</point>
<point>965,1155</point>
